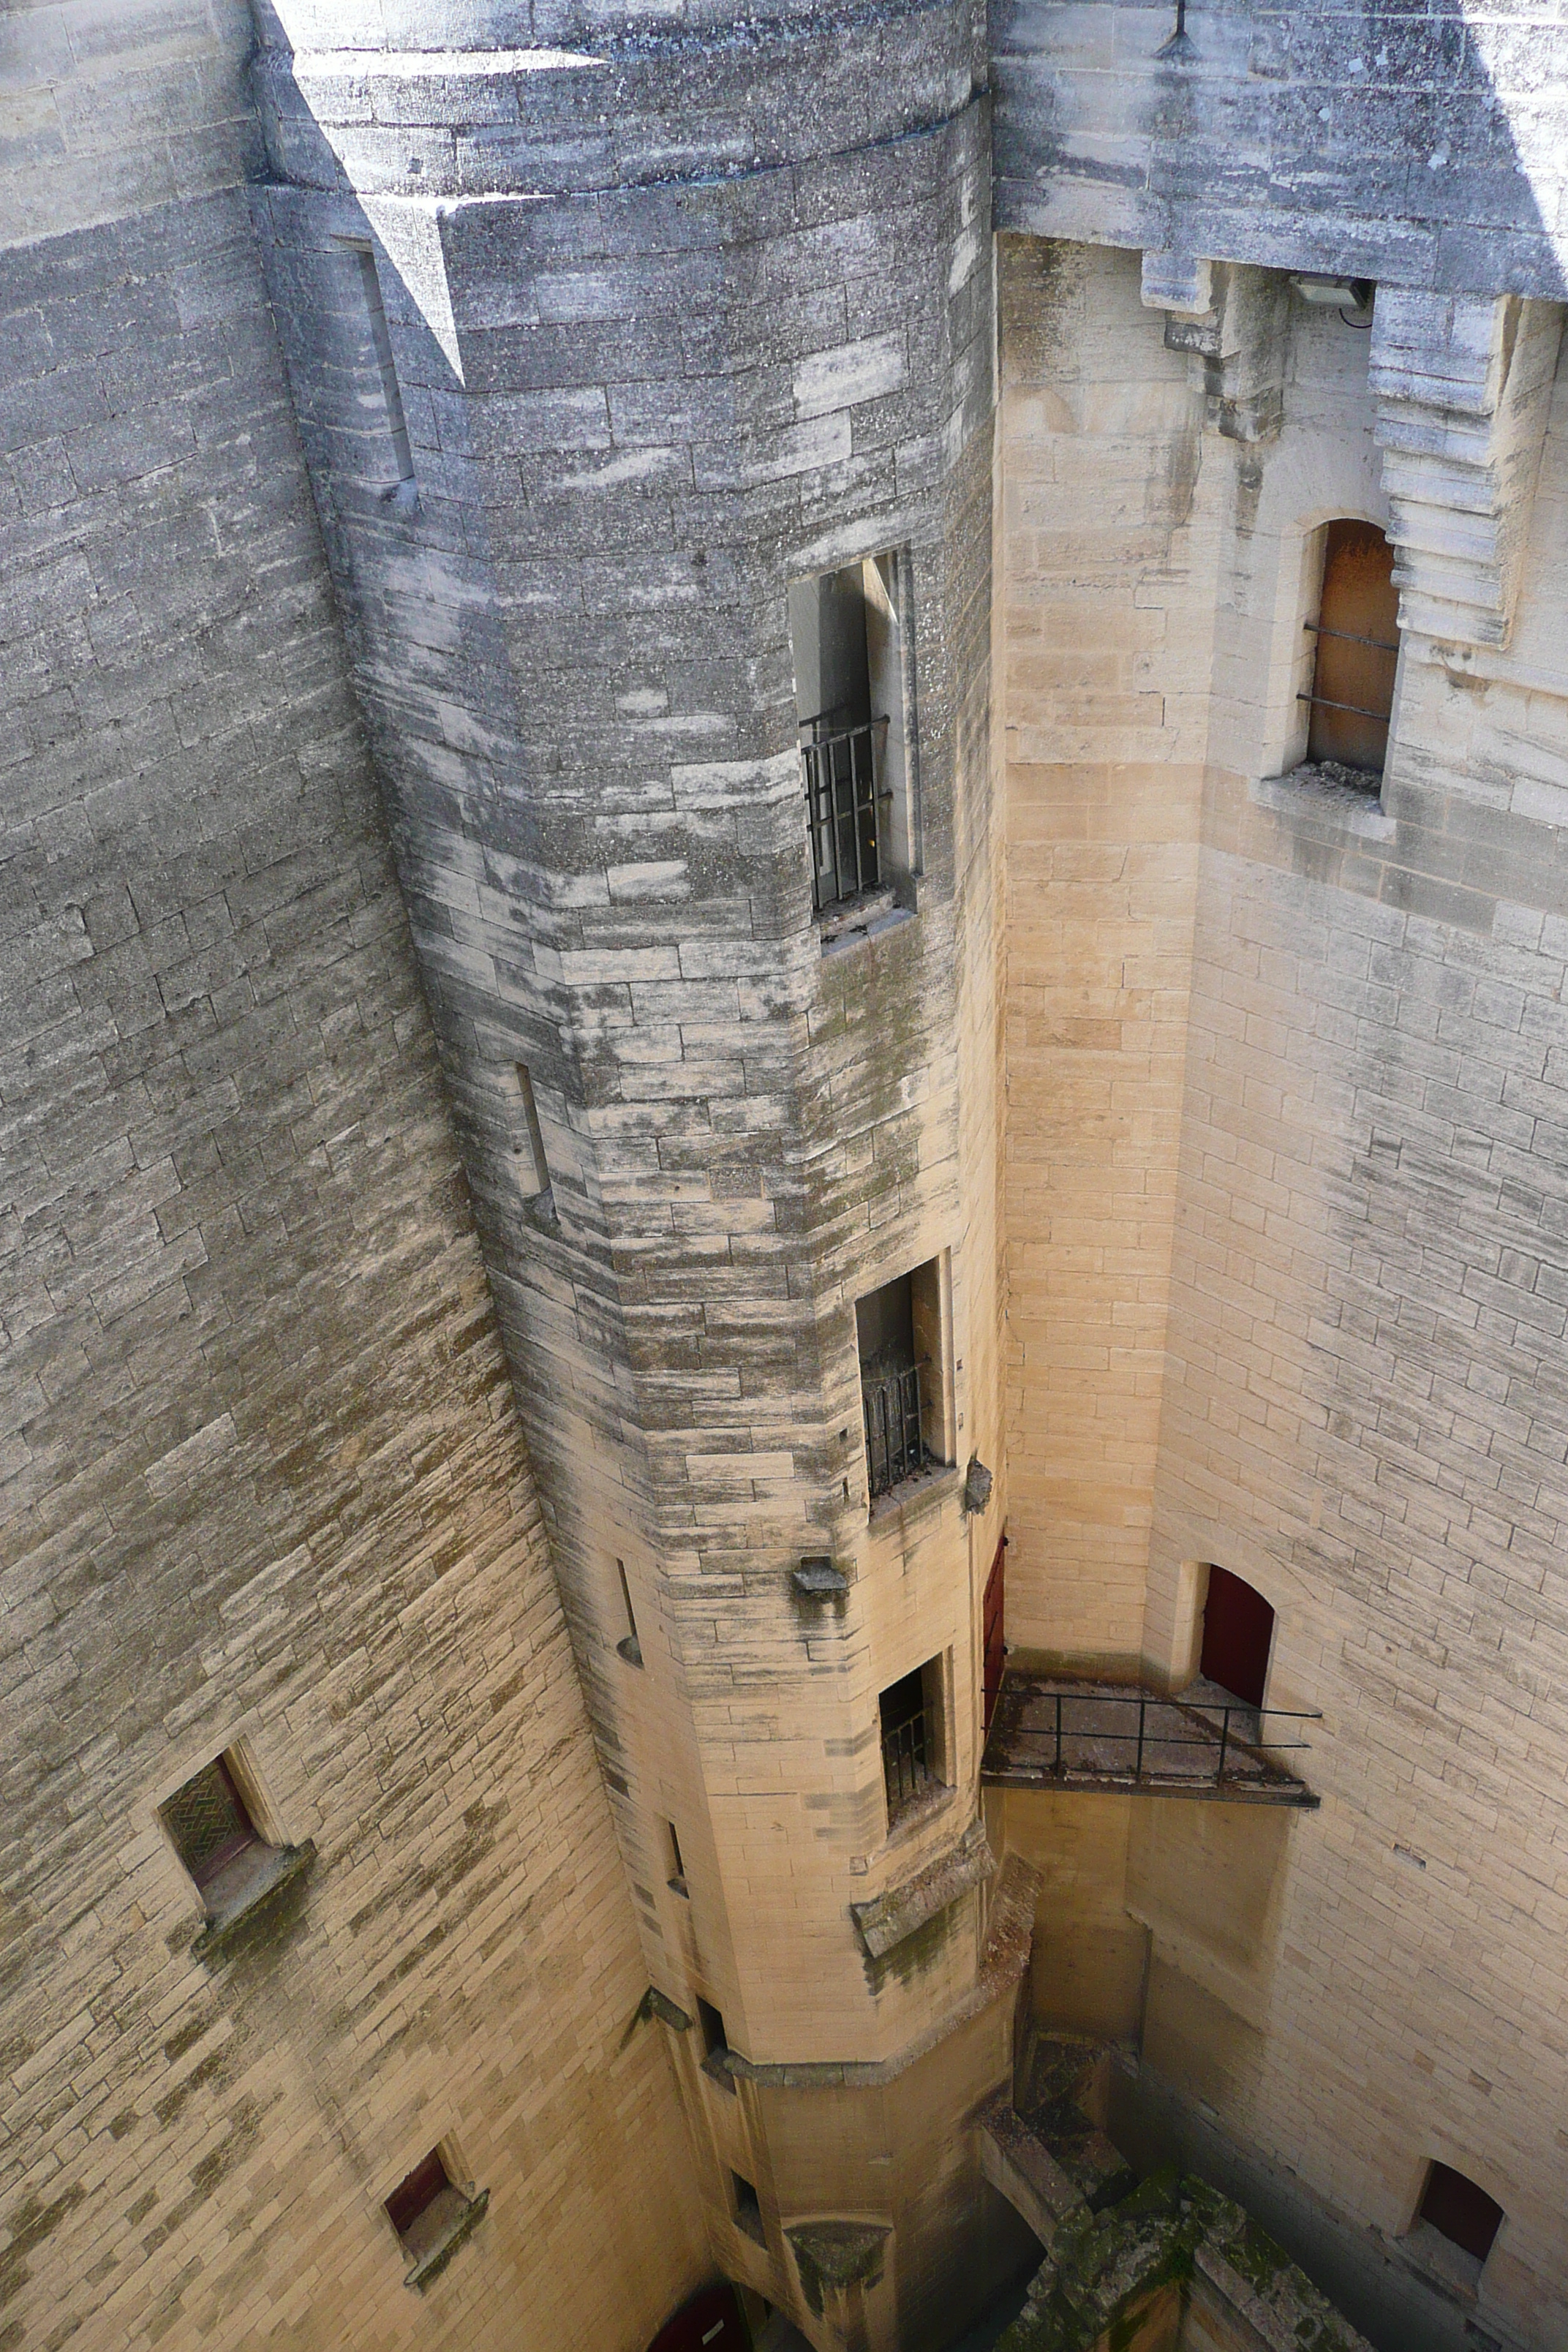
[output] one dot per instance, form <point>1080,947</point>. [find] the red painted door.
<point>712,2322</point>
<point>994,1649</point>
<point>1239,1627</point>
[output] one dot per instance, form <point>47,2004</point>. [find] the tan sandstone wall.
<point>1357,1166</point>
<point>1107,549</point>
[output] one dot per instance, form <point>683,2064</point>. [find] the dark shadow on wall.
<point>1422,149</point>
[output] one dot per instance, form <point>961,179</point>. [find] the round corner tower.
<point>644,365</point>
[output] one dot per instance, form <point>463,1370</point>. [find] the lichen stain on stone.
<point>914,1956</point>
<point>30,2225</point>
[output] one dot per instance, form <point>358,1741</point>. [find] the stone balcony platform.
<point>1058,1731</point>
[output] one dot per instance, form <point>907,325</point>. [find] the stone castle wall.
<point>265,1482</point>
<point>1342,1158</point>
<point>643,395</point>
<point>332,1433</point>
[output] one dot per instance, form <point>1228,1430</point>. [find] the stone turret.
<point>646,383</point>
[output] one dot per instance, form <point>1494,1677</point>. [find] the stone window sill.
<point>911,1497</point>
<point>238,1898</point>
<point>855,922</point>
<point>1322,795</point>
<point>439,2231</point>
<point>716,2068</point>
<point>916,1815</point>
<point>1446,2268</point>
<point>750,2225</point>
<point>540,1211</point>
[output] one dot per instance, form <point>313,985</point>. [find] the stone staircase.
<point>1044,2144</point>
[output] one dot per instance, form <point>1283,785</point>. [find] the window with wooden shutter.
<point>1357,631</point>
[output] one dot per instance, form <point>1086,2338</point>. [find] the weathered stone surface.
<point>888,1918</point>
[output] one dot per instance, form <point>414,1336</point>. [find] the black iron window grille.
<point>907,1765</point>
<point>843,805</point>
<point>894,1447</point>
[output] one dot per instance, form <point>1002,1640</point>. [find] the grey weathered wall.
<point>1421,147</point>
<point>263,1477</point>
<point>644,390</point>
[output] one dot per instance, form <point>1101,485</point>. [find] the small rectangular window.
<point>748,2208</point>
<point>218,1825</point>
<point>1357,651</point>
<point>847,640</point>
<point>715,2046</point>
<point>676,1879</point>
<point>914,1734</point>
<point>431,2214</point>
<point>210,1824</point>
<point>1461,2212</point>
<point>906,1393</point>
<point>381,339</point>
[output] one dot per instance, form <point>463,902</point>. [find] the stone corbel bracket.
<point>1234,319</point>
<point>839,2262</point>
<point>1463,385</point>
<point>888,1918</point>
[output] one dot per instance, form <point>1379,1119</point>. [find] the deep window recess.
<point>381,339</point>
<point>675,1881</point>
<point>210,1824</point>
<point>748,2206</point>
<point>629,1648</point>
<point>911,1722</point>
<point>904,1387</point>
<point>993,1646</point>
<point>528,1143</point>
<point>1461,2212</point>
<point>715,2044</point>
<point>845,636</point>
<point>431,2215</point>
<point>1238,1632</point>
<point>1357,633</point>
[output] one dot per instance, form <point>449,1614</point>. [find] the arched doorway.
<point>1238,1633</point>
<point>1358,649</point>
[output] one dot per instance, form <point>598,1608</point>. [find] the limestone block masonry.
<point>265,1488</point>
<point>649,378</point>
<point>445,1152</point>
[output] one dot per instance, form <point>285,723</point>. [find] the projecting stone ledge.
<point>888,1918</point>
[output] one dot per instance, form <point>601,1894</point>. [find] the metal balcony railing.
<point>842,807</point>
<point>907,1766</point>
<point>1054,1734</point>
<point>894,1447</point>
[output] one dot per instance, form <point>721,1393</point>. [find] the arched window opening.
<point>1238,1632</point>
<point>1357,630</point>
